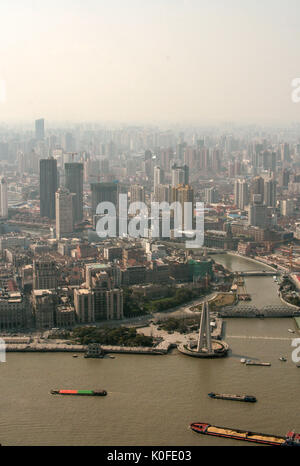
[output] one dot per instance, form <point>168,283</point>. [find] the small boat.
<point>79,392</point>
<point>282,358</point>
<point>291,330</point>
<point>242,361</point>
<point>75,356</point>
<point>247,398</point>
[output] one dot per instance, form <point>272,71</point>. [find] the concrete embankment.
<point>162,348</point>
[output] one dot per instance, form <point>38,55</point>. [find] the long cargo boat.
<point>253,363</point>
<point>222,396</point>
<point>291,438</point>
<point>79,392</point>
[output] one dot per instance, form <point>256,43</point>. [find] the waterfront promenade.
<point>162,348</point>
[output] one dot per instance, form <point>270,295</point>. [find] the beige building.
<point>12,311</point>
<point>63,212</point>
<point>84,305</point>
<point>43,307</point>
<point>99,300</point>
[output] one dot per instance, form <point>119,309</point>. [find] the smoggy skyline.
<point>191,61</point>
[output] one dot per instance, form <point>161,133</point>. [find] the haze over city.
<point>149,225</point>
<point>162,61</point>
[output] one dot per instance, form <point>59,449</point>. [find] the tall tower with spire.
<point>205,346</point>
<point>3,198</point>
<point>204,341</point>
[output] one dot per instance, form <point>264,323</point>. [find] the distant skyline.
<point>186,61</point>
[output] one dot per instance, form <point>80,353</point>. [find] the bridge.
<point>253,311</point>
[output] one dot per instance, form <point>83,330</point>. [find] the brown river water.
<point>153,399</point>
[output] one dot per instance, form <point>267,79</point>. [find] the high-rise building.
<point>284,178</point>
<point>44,274</point>
<point>257,187</point>
<point>180,175</point>
<point>241,194</point>
<point>158,176</point>
<point>3,198</point>
<point>137,193</point>
<point>166,156</point>
<point>287,207</point>
<point>39,129</point>
<point>74,183</point>
<point>68,142</point>
<point>100,299</point>
<point>64,212</point>
<point>211,195</point>
<point>43,304</point>
<point>257,215</point>
<point>184,194</point>
<point>108,301</point>
<point>162,193</point>
<point>285,152</point>
<point>84,305</point>
<point>104,192</point>
<point>48,187</point>
<point>270,197</point>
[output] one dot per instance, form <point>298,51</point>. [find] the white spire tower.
<point>3,198</point>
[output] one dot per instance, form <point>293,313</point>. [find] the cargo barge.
<point>222,396</point>
<point>291,438</point>
<point>79,392</point>
<point>253,363</point>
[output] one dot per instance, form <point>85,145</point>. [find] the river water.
<point>152,399</point>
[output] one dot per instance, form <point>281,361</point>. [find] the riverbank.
<point>161,348</point>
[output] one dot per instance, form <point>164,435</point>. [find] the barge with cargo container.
<point>291,438</point>
<point>222,396</point>
<point>79,392</point>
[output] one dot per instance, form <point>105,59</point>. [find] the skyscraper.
<point>137,193</point>
<point>48,187</point>
<point>211,195</point>
<point>158,176</point>
<point>270,197</point>
<point>74,183</point>
<point>64,212</point>
<point>104,192</point>
<point>44,274</point>
<point>241,194</point>
<point>184,194</point>
<point>3,198</point>
<point>180,175</point>
<point>285,152</point>
<point>39,129</point>
<point>257,187</point>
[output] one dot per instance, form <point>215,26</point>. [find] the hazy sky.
<point>149,60</point>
